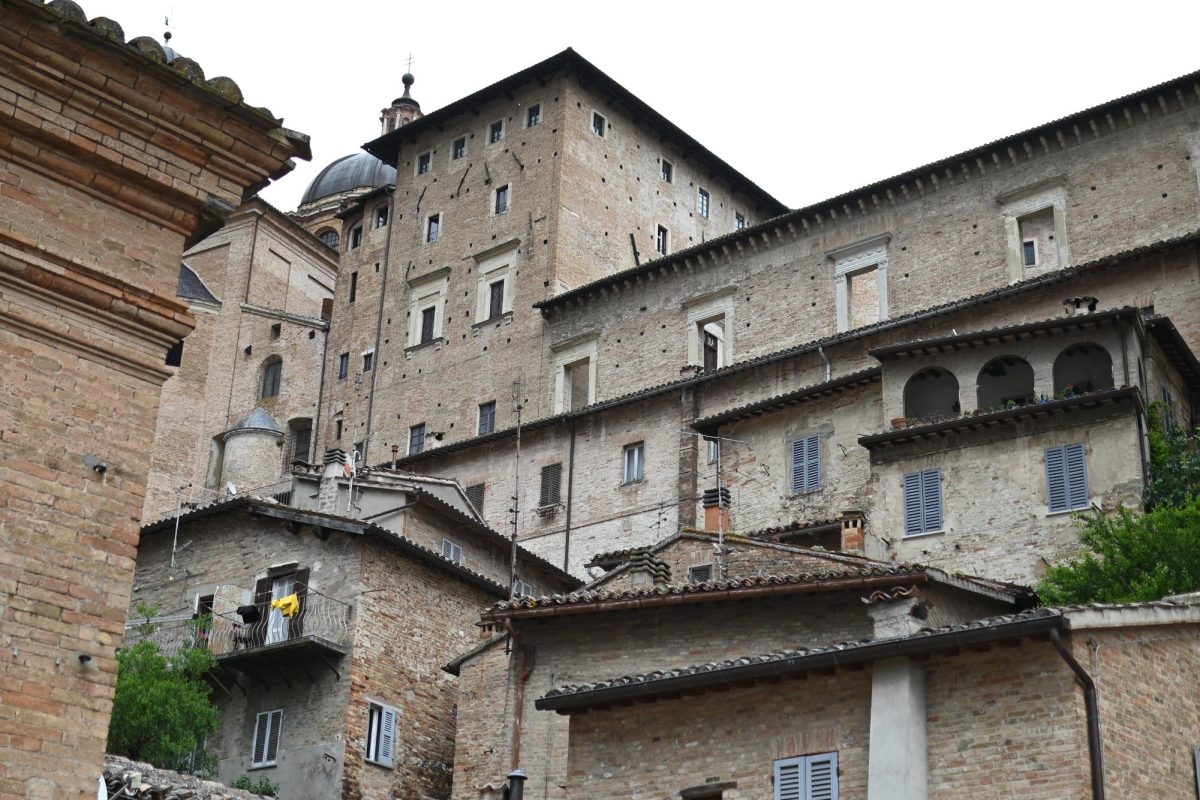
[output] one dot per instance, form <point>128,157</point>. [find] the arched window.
<point>932,392</point>
<point>272,374</point>
<point>1005,382</point>
<point>1082,368</point>
<point>330,237</point>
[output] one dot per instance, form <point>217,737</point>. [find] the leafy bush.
<point>263,786</point>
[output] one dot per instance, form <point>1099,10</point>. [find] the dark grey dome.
<point>357,171</point>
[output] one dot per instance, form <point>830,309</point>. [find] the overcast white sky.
<point>806,99</point>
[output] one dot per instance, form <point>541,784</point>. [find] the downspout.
<point>828,365</point>
<point>1092,705</point>
<point>570,496</point>
<point>524,670</point>
<point>387,254</point>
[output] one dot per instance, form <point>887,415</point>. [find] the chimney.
<point>854,531</point>
<point>395,454</point>
<point>716,510</point>
<point>335,468</point>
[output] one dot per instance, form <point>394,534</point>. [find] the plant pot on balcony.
<point>898,423</point>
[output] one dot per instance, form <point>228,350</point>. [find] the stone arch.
<point>932,392</point>
<point>1003,381</point>
<point>1082,368</point>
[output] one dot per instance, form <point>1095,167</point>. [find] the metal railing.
<point>252,627</point>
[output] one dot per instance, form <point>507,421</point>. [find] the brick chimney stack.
<point>854,531</point>
<point>335,469</point>
<point>716,510</point>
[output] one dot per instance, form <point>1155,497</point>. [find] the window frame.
<point>368,360</point>
<point>533,115</point>
<point>550,496</point>
<point>433,228</point>
<point>703,202</point>
<point>479,489</point>
<point>272,378</point>
<point>381,216</point>
<point>452,551</point>
<point>802,784</point>
<point>496,135</point>
<point>274,732</point>
<point>487,412</point>
<point>501,193</point>
<point>343,366</point>
<point>599,125</point>
<point>697,570</point>
<point>457,154</point>
<point>635,452</point>
<point>416,439</point>
<point>356,236</point>
<point>666,171</point>
<point>923,478</point>
<point>380,747</point>
<point>662,240</point>
<point>806,479</point>
<point>739,221</point>
<point>1025,262</point>
<point>860,259</point>
<point>424,162</point>
<point>353,293</point>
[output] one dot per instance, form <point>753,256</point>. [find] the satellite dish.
<point>230,489</point>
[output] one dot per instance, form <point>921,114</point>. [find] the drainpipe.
<point>570,494</point>
<point>524,670</point>
<point>828,365</point>
<point>1092,705</point>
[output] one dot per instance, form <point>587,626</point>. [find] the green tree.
<point>162,710</point>
<point>1130,557</point>
<point>1174,463</point>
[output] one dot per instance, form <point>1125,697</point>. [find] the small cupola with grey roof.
<point>403,110</point>
<point>251,454</point>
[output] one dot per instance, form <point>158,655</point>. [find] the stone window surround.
<point>441,223</point>
<point>492,212</point>
<point>498,263</point>
<point>1017,203</point>
<point>466,140</point>
<point>859,257</point>
<point>428,155</point>
<point>604,127</point>
<point>503,131</point>
<point>541,107</point>
<point>572,351</point>
<point>701,310</point>
<point>424,292</point>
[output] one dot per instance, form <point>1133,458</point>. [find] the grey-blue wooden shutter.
<point>789,779</point>
<point>913,518</point>
<point>1077,477</point>
<point>387,736</point>
<point>262,731</point>
<point>806,464</point>
<point>931,490</point>
<point>797,466</point>
<point>821,778</point>
<point>1056,480</point>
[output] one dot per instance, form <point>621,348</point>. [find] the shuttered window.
<point>806,464</point>
<point>1066,478</point>
<point>700,574</point>
<point>452,552</point>
<point>267,727</point>
<point>807,778</point>
<point>551,485</point>
<point>381,735</point>
<point>475,494</point>
<point>922,502</point>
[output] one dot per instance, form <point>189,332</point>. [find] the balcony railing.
<point>252,630</point>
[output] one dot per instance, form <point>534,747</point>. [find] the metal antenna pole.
<point>178,509</point>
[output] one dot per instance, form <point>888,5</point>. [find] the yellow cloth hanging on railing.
<point>288,606</point>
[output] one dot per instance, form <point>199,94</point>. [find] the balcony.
<point>256,636</point>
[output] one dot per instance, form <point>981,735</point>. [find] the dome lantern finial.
<point>408,81</point>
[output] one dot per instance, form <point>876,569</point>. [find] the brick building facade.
<point>112,161</point>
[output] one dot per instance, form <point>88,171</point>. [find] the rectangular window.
<point>1066,478</point>
<point>433,227</point>
<point>922,502</point>
<point>416,439</point>
<point>459,148</point>
<point>423,162</point>
<point>452,552</point>
<point>301,442</point>
<point>712,350</point>
<point>668,171</point>
<point>523,589</point>
<point>661,240</point>
<point>355,237</point>
<point>739,221</point>
<point>368,361</point>
<point>551,485</point>
<point>343,366</point>
<point>487,417</point>
<point>428,318</point>
<point>337,429</point>
<point>578,384</point>
<point>381,735</point>
<point>702,203</point>
<point>635,462</point>
<point>175,352</point>
<point>276,330</point>
<point>381,216</point>
<point>496,131</point>
<point>267,727</point>
<point>806,464</point>
<point>700,574</point>
<point>714,448</point>
<point>475,494</point>
<point>501,206</point>
<point>534,117</point>
<point>812,777</point>
<point>599,124</point>
<point>496,299</point>
<point>1029,252</point>
<point>353,286</point>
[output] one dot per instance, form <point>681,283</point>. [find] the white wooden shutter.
<point>387,736</point>
<point>267,727</point>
